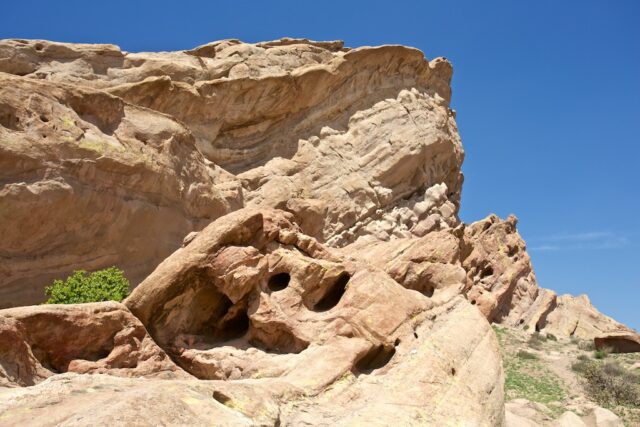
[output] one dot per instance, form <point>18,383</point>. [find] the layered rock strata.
<point>287,214</point>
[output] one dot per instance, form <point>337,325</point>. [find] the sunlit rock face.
<point>287,214</point>
<point>111,158</point>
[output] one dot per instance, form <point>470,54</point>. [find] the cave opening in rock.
<point>486,272</point>
<point>376,358</point>
<point>236,326</point>
<point>333,295</point>
<point>428,291</point>
<point>278,282</point>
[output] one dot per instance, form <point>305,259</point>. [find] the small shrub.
<point>581,365</point>
<point>526,355</point>
<point>613,368</point>
<point>552,337</point>
<point>600,354</point>
<point>587,345</point>
<point>607,389</point>
<point>536,340</point>
<point>103,285</point>
<point>526,327</point>
<point>583,357</point>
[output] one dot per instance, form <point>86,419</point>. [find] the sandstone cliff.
<point>288,213</point>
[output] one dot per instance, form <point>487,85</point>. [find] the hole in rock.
<point>396,342</point>
<point>57,359</point>
<point>332,297</point>
<point>39,47</point>
<point>521,321</point>
<point>512,251</point>
<point>415,334</point>
<point>235,326</point>
<point>537,327</point>
<point>280,341</point>
<point>44,119</point>
<point>453,371</point>
<point>375,358</point>
<point>221,397</point>
<point>206,313</point>
<point>428,291</point>
<point>279,281</point>
<point>488,271</point>
<point>9,119</point>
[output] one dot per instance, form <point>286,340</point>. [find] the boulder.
<point>619,342</point>
<point>42,341</point>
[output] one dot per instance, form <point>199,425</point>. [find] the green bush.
<point>600,354</point>
<point>552,337</point>
<point>102,285</point>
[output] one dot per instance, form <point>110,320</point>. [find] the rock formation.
<point>37,342</point>
<point>287,214</point>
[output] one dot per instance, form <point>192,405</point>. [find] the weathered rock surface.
<point>523,413</point>
<point>304,199</point>
<point>619,342</point>
<point>88,180</point>
<point>349,140</point>
<point>128,148</point>
<point>576,316</point>
<point>293,334</point>
<point>41,341</point>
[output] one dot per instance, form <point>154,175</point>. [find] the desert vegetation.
<point>108,284</point>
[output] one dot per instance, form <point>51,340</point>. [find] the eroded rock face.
<point>251,297</point>
<point>308,195</point>
<point>352,141</point>
<point>41,341</point>
<point>89,180</point>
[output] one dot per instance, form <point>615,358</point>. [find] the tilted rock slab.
<point>103,152</point>
<point>335,285</point>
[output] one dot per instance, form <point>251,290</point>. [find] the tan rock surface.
<point>359,144</point>
<point>41,341</point>
<point>619,342</point>
<point>89,181</point>
<point>523,413</point>
<point>576,316</point>
<point>304,198</point>
<point>293,334</point>
<point>347,139</point>
<point>252,297</point>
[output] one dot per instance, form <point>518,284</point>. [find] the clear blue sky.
<point>547,94</point>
